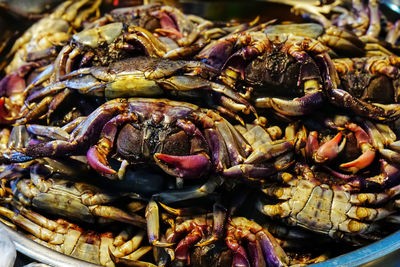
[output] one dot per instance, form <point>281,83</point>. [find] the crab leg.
<point>268,151</point>
<point>31,227</point>
<point>273,253</point>
<point>185,194</point>
<point>219,155</point>
<point>374,111</point>
<point>377,139</point>
<point>394,33</point>
<point>117,215</point>
<point>130,245</point>
<point>374,21</point>
<point>48,131</point>
<point>250,171</point>
<point>195,235</point>
<point>240,257</point>
<point>153,225</point>
<point>230,141</point>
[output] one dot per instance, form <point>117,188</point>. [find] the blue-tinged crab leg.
<point>48,131</point>
<point>206,189</point>
<point>219,155</point>
<point>153,225</point>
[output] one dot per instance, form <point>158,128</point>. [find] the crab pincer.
<point>330,149</point>
<point>368,151</point>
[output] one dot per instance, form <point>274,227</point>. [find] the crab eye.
<point>176,144</point>
<point>129,142</point>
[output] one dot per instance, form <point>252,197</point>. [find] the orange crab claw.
<point>361,162</point>
<point>368,151</point>
<point>98,162</point>
<point>330,149</point>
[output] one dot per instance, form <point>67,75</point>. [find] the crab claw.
<point>361,162</point>
<point>192,166</point>
<point>296,107</point>
<point>249,170</point>
<point>330,149</point>
<point>99,163</point>
<point>368,151</point>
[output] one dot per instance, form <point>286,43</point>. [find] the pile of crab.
<point>148,137</point>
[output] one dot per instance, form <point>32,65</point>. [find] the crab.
<point>342,144</point>
<point>182,139</point>
<point>106,249</point>
<point>38,41</point>
<point>35,49</point>
<point>124,33</point>
<point>103,45</point>
<point>341,41</point>
<point>182,34</point>
<point>81,202</point>
<point>147,77</point>
<point>264,63</point>
<point>340,211</point>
